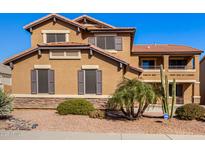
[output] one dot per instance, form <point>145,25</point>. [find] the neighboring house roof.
<point>163,49</point>
<point>70,45</point>
<point>5,69</point>
<point>93,20</point>
<point>51,16</point>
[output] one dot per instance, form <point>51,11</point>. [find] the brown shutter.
<point>34,81</point>
<point>91,40</point>
<point>118,43</point>
<point>99,82</point>
<point>51,82</point>
<point>81,82</point>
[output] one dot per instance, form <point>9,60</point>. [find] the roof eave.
<point>162,53</point>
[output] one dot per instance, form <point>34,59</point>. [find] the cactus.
<point>165,93</point>
<point>173,97</point>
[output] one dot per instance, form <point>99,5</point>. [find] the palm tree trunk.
<point>139,110</point>
<point>144,108</point>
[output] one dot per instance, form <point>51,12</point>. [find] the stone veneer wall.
<point>51,103</point>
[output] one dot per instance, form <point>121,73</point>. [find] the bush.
<point>75,106</point>
<point>190,112</point>
<point>97,114</point>
<point>5,104</point>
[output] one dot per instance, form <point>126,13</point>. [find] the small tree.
<point>128,94</point>
<point>5,104</point>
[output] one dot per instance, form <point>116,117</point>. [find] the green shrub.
<point>190,112</point>
<point>75,106</point>
<point>97,114</point>
<point>5,104</point>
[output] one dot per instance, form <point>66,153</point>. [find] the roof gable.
<point>54,17</point>
<point>90,21</point>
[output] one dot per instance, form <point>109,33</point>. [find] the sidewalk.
<point>52,135</point>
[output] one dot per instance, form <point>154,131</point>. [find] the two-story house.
<point>87,58</point>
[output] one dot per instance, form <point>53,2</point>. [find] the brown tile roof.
<point>70,44</point>
<point>164,48</point>
<point>20,55</point>
<point>92,19</point>
<point>50,16</point>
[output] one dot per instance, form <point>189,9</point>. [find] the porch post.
<point>166,62</point>
<point>196,85</point>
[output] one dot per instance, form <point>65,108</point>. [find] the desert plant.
<point>190,112</point>
<point>97,114</point>
<point>5,104</point>
<point>129,93</point>
<point>75,106</point>
<point>165,93</point>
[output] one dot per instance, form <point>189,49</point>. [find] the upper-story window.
<point>55,36</point>
<point>107,42</point>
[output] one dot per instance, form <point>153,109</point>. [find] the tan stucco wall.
<point>65,73</point>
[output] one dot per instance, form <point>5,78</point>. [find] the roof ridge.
<point>92,18</point>
<point>47,17</point>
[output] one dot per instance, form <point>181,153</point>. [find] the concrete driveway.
<point>52,135</point>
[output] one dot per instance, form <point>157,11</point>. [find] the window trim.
<point>65,57</point>
<point>45,32</point>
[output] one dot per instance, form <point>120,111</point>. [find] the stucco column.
<point>166,62</point>
<point>189,63</point>
<point>196,92</point>
<point>196,85</point>
<point>196,64</point>
<point>137,61</point>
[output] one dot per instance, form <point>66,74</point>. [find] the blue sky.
<point>184,29</point>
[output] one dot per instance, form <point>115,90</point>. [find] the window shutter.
<point>81,82</point>
<point>91,40</point>
<point>51,82</point>
<point>99,82</point>
<point>33,81</point>
<point>118,43</point>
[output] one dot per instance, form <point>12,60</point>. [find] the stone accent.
<point>51,103</point>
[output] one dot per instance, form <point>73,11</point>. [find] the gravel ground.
<point>49,120</point>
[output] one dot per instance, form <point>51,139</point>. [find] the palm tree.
<point>130,93</point>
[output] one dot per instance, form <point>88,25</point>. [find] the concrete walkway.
<point>52,135</point>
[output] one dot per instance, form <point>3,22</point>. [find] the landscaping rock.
<point>19,124</point>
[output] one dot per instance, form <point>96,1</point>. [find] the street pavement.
<point>56,135</point>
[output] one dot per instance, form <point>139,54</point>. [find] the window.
<point>148,64</point>
<point>42,81</point>
<point>177,64</point>
<point>179,90</point>
<point>65,54</point>
<point>90,81</point>
<point>106,42</point>
<point>56,37</point>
